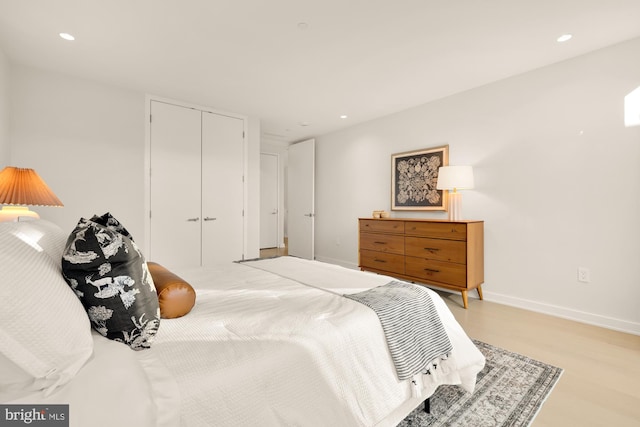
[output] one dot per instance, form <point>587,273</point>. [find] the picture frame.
<point>414,175</point>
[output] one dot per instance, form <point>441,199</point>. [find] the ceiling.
<point>301,64</point>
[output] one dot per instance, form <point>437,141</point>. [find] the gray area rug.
<point>509,392</point>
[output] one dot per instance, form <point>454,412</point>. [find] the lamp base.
<point>455,206</point>
<point>15,213</point>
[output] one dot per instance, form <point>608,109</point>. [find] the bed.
<point>269,342</point>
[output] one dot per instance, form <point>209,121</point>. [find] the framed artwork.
<point>414,176</point>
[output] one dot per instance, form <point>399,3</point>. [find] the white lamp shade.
<point>455,178</point>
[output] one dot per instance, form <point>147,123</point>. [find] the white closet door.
<point>175,230</point>
<point>222,188</point>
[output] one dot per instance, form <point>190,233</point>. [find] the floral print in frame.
<point>414,176</point>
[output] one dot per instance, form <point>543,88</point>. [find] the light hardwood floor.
<point>600,385</point>
<point>271,252</point>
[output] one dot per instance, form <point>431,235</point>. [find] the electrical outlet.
<point>584,275</point>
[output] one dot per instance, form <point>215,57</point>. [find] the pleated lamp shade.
<point>20,187</point>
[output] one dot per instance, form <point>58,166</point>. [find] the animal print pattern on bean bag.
<point>109,274</point>
<point>111,223</point>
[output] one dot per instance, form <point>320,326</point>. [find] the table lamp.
<point>20,187</point>
<point>455,178</point>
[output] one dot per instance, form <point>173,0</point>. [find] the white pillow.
<point>43,235</point>
<point>44,330</point>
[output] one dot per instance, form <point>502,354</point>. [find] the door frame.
<point>147,165</point>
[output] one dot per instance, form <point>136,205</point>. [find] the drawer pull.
<point>431,270</point>
<point>380,243</point>
<point>431,249</point>
<point>379,260</point>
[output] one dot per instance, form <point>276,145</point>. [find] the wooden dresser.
<point>435,252</point>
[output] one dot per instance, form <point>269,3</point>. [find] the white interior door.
<point>301,196</point>
<point>175,218</point>
<point>268,200</point>
<point>222,188</point>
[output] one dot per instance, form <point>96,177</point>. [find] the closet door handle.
<point>193,219</point>
<point>206,218</point>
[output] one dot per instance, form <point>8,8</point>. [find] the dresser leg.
<point>480,291</point>
<point>464,299</point>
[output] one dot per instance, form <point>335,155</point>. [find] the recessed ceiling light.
<point>564,38</point>
<point>67,36</point>
<point>304,124</point>
<point>344,116</point>
<point>302,26</point>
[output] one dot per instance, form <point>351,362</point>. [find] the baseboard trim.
<point>550,309</point>
<point>565,313</point>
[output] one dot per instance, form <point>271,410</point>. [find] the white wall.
<point>557,183</point>
<point>4,111</point>
<point>87,141</point>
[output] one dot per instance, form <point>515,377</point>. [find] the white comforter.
<point>268,350</point>
<point>260,349</point>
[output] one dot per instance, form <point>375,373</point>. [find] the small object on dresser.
<point>384,214</point>
<point>376,214</point>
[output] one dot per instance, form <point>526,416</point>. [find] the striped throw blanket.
<point>411,324</point>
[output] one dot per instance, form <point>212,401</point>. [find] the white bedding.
<point>262,350</point>
<point>115,388</point>
<point>285,353</point>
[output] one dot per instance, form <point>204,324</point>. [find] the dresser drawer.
<point>436,249</point>
<point>451,231</point>
<point>391,243</point>
<point>437,271</point>
<point>391,263</point>
<point>381,226</point>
